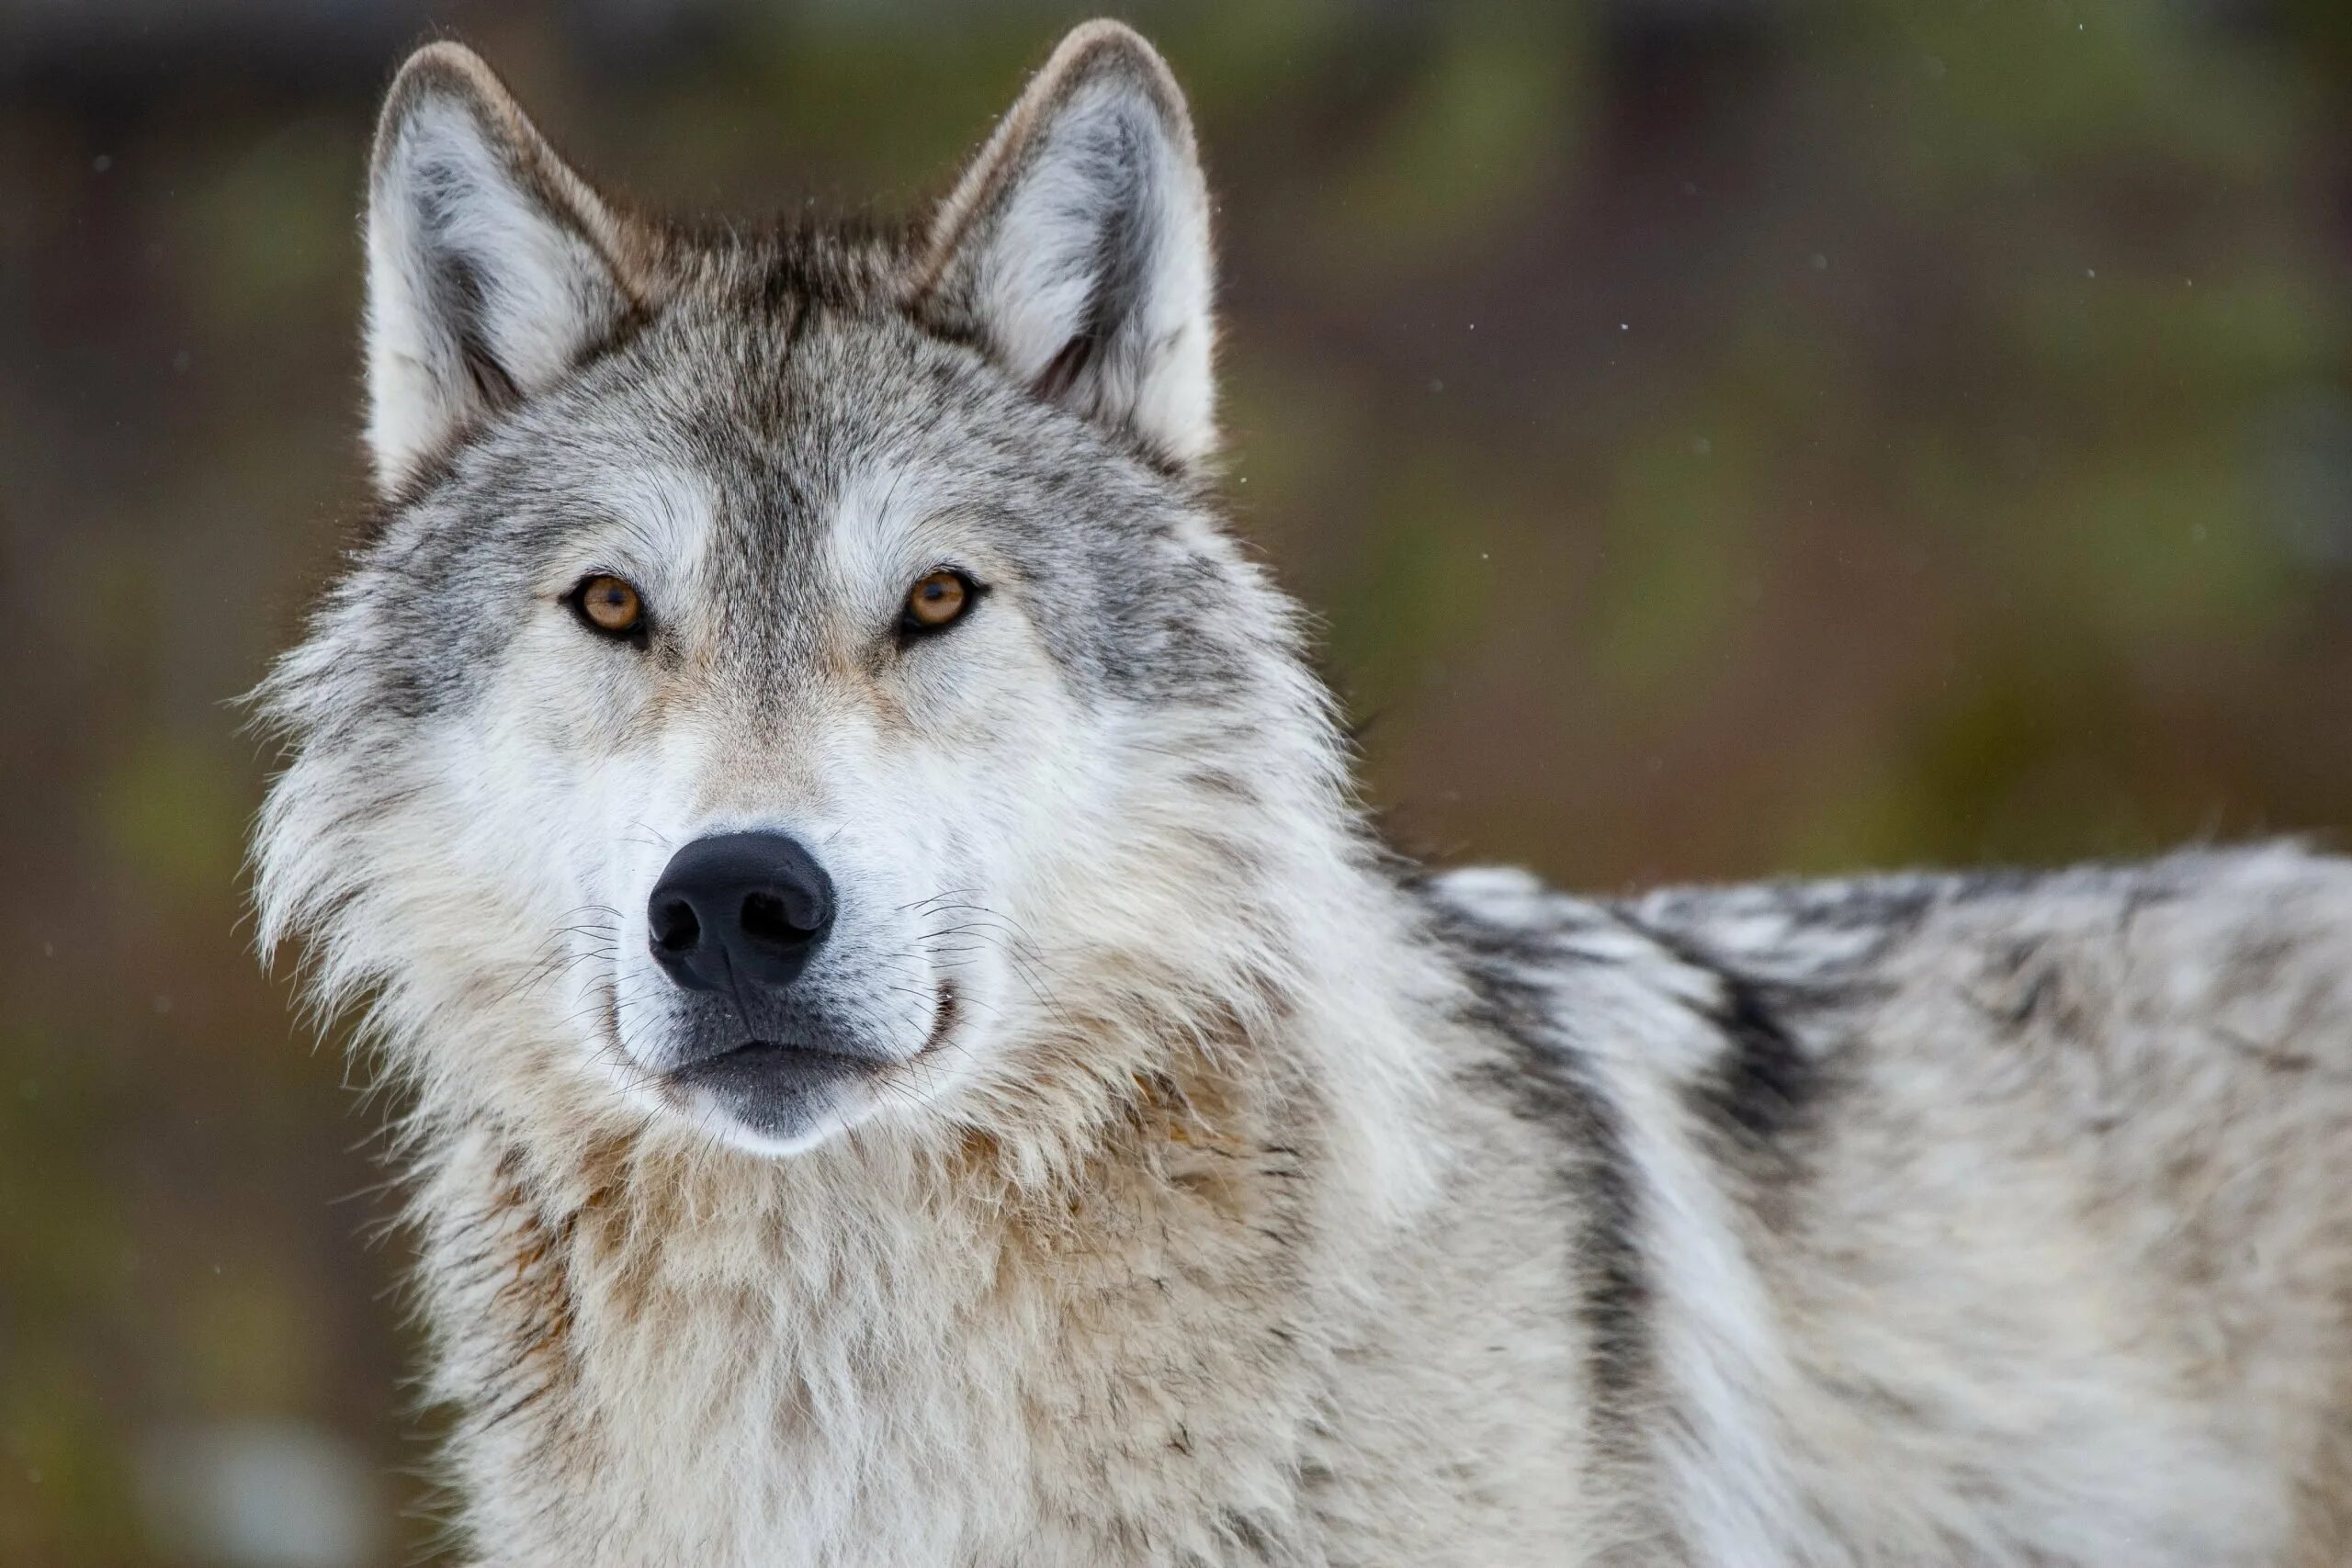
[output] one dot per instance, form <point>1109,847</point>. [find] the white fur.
<point>1087,164</point>
<point>450,189</point>
<point>1261,1202</point>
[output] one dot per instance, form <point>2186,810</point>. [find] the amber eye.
<point>938,601</point>
<point>609,605</point>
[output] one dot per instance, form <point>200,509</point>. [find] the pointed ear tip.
<point>1106,33</point>
<point>442,69</point>
<point>1107,46</point>
<point>443,63</point>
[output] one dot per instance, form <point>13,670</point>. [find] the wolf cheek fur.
<point>1151,1170</point>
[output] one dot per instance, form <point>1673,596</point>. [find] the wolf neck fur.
<point>1177,1187</point>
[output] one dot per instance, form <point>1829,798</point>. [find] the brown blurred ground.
<point>1724,438</point>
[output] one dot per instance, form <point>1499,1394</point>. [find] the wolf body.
<point>1079,1142</point>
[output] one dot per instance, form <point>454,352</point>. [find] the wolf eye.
<point>609,605</point>
<point>938,601</point>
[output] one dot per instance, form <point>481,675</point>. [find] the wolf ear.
<point>1076,247</point>
<point>490,266</point>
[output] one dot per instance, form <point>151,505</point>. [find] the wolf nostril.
<point>739,909</point>
<point>765,919</point>
<point>770,919</point>
<point>675,930</point>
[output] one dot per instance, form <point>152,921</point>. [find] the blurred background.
<point>1724,438</point>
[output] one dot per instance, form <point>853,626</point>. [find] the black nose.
<point>739,909</point>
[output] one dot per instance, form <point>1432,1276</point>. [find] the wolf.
<point>912,1052</point>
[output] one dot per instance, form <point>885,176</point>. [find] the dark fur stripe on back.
<point>1549,1080</point>
<point>1764,1087</point>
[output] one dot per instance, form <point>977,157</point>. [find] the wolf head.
<point>796,681</point>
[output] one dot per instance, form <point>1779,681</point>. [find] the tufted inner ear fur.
<point>491,268</point>
<point>1076,248</point>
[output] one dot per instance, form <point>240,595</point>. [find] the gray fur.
<point>1231,1193</point>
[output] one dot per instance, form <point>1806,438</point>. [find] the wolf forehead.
<point>780,432</point>
<point>760,417</point>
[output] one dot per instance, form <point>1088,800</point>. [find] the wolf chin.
<point>910,1055</point>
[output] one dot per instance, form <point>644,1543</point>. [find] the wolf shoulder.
<point>2092,992</point>
<point>2007,1208</point>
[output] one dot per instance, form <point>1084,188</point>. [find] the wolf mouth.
<point>773,1083</point>
<point>769,1065</point>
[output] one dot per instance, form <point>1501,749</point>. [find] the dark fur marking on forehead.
<point>725,358</point>
<point>798,267</point>
<point>801,262</point>
<point>804,315</point>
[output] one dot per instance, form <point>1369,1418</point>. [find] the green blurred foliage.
<point>1719,439</point>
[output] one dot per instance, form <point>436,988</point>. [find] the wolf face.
<point>779,662</point>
